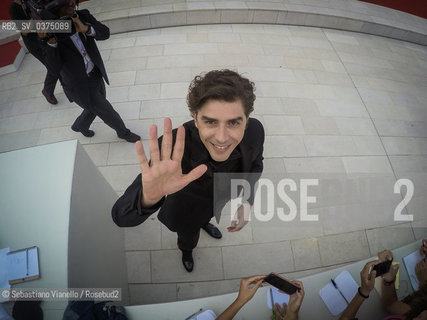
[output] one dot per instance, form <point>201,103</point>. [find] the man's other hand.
<point>80,26</point>
<point>241,218</point>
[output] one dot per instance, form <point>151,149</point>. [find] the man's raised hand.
<point>163,175</point>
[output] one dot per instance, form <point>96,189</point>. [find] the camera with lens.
<point>43,9</point>
<point>48,10</point>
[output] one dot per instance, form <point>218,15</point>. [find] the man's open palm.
<point>163,175</point>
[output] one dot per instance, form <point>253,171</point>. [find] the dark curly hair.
<point>223,85</point>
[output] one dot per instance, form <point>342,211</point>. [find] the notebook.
<point>337,299</point>
<point>278,297</point>
<point>410,261</point>
<point>202,315</point>
<point>23,265</point>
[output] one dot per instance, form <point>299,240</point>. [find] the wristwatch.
<point>89,30</point>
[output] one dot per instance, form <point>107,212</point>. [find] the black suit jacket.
<point>192,207</point>
<point>67,61</point>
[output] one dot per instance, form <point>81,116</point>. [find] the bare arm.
<point>389,297</point>
<point>248,287</point>
<point>367,282</point>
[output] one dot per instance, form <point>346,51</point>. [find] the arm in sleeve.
<point>102,32</point>
<point>53,58</point>
<point>128,210</point>
<point>16,12</point>
<point>91,32</point>
<point>257,166</point>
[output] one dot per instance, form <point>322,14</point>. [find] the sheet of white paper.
<point>278,297</point>
<point>4,283</point>
<point>347,285</point>
<point>206,315</point>
<point>333,299</point>
<point>332,296</point>
<point>23,263</point>
<point>33,262</point>
<point>17,265</point>
<point>203,315</point>
<point>410,261</point>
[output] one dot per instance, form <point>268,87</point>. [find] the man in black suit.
<point>35,47</point>
<point>77,59</point>
<point>179,177</point>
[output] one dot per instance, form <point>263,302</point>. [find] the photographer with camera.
<point>22,11</point>
<point>76,58</point>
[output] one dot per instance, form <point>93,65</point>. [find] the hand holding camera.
<point>56,10</point>
<point>79,25</point>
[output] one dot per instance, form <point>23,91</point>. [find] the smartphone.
<point>281,283</point>
<point>382,268</point>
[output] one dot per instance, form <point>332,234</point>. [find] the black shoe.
<point>87,133</point>
<point>130,137</point>
<point>212,231</point>
<point>50,98</point>
<point>187,260</point>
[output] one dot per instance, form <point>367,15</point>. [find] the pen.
<point>336,287</point>
<point>272,304</point>
<point>26,253</point>
<point>189,317</point>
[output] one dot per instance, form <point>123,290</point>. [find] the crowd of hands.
<point>289,311</point>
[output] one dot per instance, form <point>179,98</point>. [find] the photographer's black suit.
<point>34,46</point>
<point>87,90</point>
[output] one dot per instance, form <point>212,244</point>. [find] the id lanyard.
<point>80,46</point>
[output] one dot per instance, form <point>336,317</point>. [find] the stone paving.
<point>332,103</point>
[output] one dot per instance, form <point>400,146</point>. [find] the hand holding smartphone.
<point>381,268</point>
<point>281,283</point>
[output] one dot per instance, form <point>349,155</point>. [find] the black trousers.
<point>187,241</point>
<point>99,106</point>
<point>35,47</point>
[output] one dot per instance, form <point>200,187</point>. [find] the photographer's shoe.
<point>130,137</point>
<point>212,231</point>
<point>87,133</point>
<point>187,260</point>
<point>50,98</point>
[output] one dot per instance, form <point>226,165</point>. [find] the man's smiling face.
<point>221,127</point>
